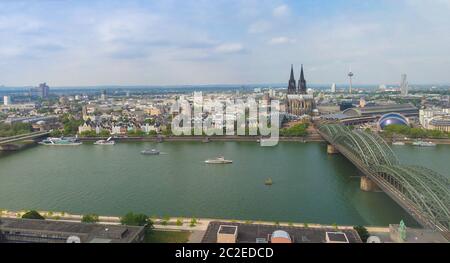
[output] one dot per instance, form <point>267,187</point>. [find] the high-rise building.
<point>43,90</point>
<point>302,83</point>
<point>103,96</point>
<point>333,88</point>
<point>292,87</point>
<point>404,86</point>
<point>6,100</point>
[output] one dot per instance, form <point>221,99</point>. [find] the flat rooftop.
<point>86,232</point>
<point>250,233</point>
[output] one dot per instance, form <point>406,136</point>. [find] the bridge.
<point>423,193</point>
<point>7,143</point>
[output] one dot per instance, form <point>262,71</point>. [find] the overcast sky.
<point>70,43</point>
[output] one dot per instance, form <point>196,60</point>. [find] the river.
<point>309,185</point>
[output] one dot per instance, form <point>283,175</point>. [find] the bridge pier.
<point>368,185</point>
<point>331,149</point>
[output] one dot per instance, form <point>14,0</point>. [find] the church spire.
<point>302,83</point>
<point>291,87</point>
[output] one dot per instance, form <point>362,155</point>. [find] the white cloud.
<point>281,11</point>
<point>281,40</point>
<point>228,48</point>
<point>260,26</point>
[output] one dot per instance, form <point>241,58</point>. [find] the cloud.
<point>281,11</point>
<point>260,26</point>
<point>229,48</point>
<point>281,41</point>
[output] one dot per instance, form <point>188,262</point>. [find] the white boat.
<point>105,142</point>
<point>398,143</point>
<point>423,144</point>
<point>218,160</point>
<point>61,142</point>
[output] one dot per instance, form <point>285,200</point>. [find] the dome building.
<point>392,118</point>
<point>280,237</point>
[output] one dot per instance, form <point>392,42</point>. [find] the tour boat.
<point>105,142</point>
<point>398,143</point>
<point>423,144</point>
<point>218,160</point>
<point>69,141</point>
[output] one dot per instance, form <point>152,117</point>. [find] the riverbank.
<point>203,139</point>
<point>180,223</point>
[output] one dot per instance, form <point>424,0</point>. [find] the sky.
<point>188,42</point>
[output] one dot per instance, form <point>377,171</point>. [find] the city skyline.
<point>237,42</point>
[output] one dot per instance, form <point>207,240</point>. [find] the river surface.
<point>309,185</point>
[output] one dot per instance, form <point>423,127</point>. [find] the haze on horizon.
<point>174,42</point>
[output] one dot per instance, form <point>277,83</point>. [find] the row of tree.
<point>7,130</point>
<point>394,129</point>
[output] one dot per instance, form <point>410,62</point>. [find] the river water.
<point>309,185</point>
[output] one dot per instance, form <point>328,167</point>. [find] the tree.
<point>132,219</point>
<point>33,215</point>
<point>362,232</point>
<point>90,218</point>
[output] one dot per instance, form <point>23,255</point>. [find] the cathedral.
<point>298,102</point>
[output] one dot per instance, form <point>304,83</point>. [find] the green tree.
<point>87,134</point>
<point>33,214</point>
<point>90,218</point>
<point>132,219</point>
<point>362,232</point>
<point>104,133</point>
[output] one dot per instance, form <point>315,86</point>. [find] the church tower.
<point>302,83</point>
<point>292,86</point>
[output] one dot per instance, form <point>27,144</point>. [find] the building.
<point>298,102</point>
<point>43,90</point>
<point>404,86</point>
<point>45,231</point>
<point>226,232</point>
<point>333,88</point>
<point>302,83</point>
<point>292,86</point>
<point>280,237</point>
<point>435,119</point>
<point>392,119</point>
<point>6,100</point>
<point>354,116</point>
<point>103,95</point>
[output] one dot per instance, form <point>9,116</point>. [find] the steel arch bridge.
<point>422,192</point>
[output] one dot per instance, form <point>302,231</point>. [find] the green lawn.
<point>156,236</point>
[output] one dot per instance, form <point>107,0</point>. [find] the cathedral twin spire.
<point>292,89</point>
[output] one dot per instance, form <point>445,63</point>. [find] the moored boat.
<point>63,141</point>
<point>423,144</point>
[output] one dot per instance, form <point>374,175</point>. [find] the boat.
<point>423,144</point>
<point>105,142</point>
<point>268,181</point>
<point>63,141</point>
<point>206,140</point>
<point>218,160</point>
<point>398,143</point>
<point>150,152</point>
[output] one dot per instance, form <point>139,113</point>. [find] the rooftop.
<point>86,232</point>
<point>251,233</point>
